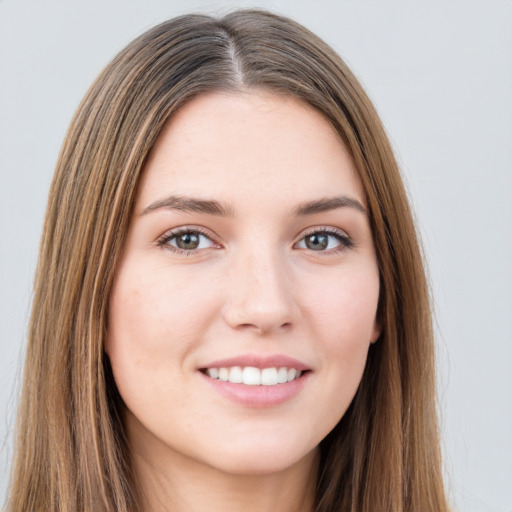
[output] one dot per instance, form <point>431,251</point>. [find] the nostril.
<point>264,327</point>
<point>255,310</point>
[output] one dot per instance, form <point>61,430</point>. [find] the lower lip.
<point>258,396</point>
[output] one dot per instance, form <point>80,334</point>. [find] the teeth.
<point>252,376</point>
<point>269,376</point>
<point>235,374</point>
<point>282,375</point>
<point>213,373</point>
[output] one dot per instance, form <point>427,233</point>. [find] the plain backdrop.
<point>440,73</point>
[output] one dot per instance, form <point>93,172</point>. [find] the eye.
<point>325,241</point>
<point>186,240</point>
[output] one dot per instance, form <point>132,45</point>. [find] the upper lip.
<point>258,361</point>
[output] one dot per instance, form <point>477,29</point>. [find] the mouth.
<point>253,376</point>
<point>257,381</point>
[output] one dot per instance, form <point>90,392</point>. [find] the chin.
<point>256,459</point>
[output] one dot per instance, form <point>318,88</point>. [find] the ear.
<point>375,331</point>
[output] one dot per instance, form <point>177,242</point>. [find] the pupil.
<point>188,241</point>
<point>317,242</point>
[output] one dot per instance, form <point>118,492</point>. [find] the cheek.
<point>156,311</point>
<point>344,308</point>
<point>343,315</point>
<point>155,321</point>
<point>140,342</point>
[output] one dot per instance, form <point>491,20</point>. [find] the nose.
<point>260,296</point>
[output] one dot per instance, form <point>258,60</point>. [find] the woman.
<point>230,307</point>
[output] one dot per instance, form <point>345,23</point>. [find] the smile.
<point>252,376</point>
<point>259,381</point>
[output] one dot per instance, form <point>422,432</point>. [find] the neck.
<point>188,486</point>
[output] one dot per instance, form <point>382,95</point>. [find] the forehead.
<point>243,145</point>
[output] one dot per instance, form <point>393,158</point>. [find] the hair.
<point>71,452</point>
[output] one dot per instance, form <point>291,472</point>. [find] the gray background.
<point>440,73</point>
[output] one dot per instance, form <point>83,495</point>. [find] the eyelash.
<point>167,237</point>
<point>345,242</point>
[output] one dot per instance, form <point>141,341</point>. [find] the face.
<point>245,300</point>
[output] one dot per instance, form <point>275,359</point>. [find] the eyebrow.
<point>213,207</point>
<point>329,203</point>
<point>190,204</point>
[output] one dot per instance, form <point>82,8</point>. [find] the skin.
<point>253,286</point>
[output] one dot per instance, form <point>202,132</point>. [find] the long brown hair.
<point>71,452</point>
